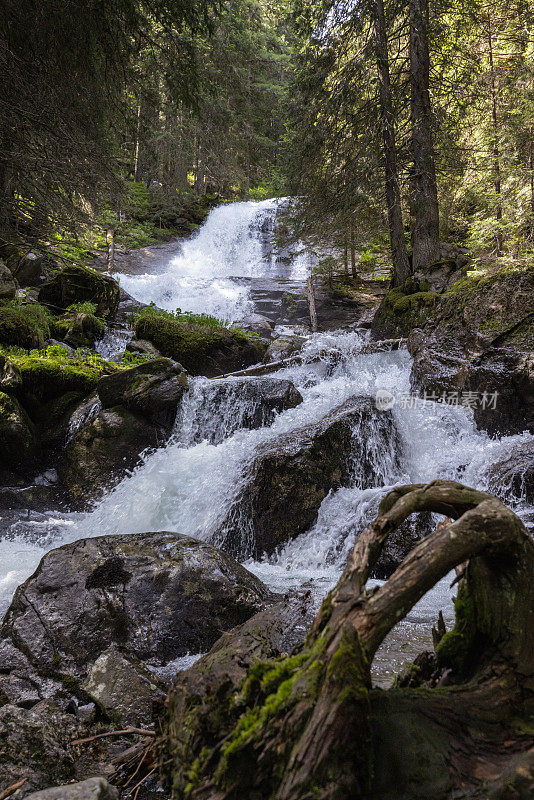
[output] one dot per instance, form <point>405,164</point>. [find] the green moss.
<point>70,684</point>
<point>75,284</point>
<point>414,302</point>
<point>198,347</point>
<point>458,649</point>
<point>22,328</point>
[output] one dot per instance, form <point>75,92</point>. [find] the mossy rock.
<point>18,329</point>
<point>75,284</point>
<point>18,443</point>
<point>400,312</point>
<point>48,378</point>
<point>201,349</point>
<point>78,330</point>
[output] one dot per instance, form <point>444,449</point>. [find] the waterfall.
<point>211,273</point>
<point>191,485</point>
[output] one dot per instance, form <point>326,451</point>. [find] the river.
<point>190,485</point>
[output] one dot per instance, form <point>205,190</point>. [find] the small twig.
<point>125,732</point>
<point>11,789</point>
<point>137,785</point>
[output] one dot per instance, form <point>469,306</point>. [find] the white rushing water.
<point>204,277</point>
<point>191,485</point>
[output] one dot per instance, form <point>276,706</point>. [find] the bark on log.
<point>311,726</point>
<point>334,354</point>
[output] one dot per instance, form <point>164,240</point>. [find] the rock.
<point>437,277</point>
<point>402,311</point>
<point>76,284</point>
<point>70,351</point>
<point>290,479</point>
<point>33,268</point>
<point>283,347</point>
<point>509,374</point>
<point>99,454</point>
<point>256,322</point>
<point>91,789</point>
<point>16,328</point>
<point>190,707</point>
<point>84,331</point>
<point>480,341</point>
<point>8,287</point>
<point>123,689</point>
<point>513,476</point>
<point>400,543</point>
<point>156,595</point>
<point>18,441</point>
<point>235,403</point>
<point>152,390</point>
<point>10,377</point>
<point>201,349</point>
<point>36,745</point>
<point>142,346</point>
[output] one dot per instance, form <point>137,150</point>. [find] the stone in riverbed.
<point>76,284</point>
<point>152,390</point>
<point>18,442</point>
<point>123,688</point>
<point>91,789</point>
<point>290,478</point>
<point>97,457</point>
<point>156,595</point>
<point>512,477</point>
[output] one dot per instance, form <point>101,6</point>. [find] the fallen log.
<point>333,355</point>
<point>311,726</point>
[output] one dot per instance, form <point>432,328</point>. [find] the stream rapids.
<point>190,485</point>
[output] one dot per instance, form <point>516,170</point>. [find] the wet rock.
<point>202,349</point>
<point>84,330</point>
<point>283,347</point>
<point>235,403</point>
<point>8,287</point>
<point>157,596</point>
<point>99,454</point>
<point>18,441</point>
<point>256,322</point>
<point>123,688</point>
<point>142,346</point>
<point>192,716</point>
<point>400,543</point>
<point>290,479</point>
<point>513,476</point>
<point>91,789</point>
<point>152,390</point>
<point>76,284</point>
<point>509,374</point>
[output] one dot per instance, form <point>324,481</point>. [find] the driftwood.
<point>311,725</point>
<point>333,355</point>
<point>12,789</point>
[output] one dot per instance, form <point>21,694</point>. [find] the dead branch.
<point>125,732</point>
<point>12,789</point>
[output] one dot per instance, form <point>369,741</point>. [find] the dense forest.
<point>266,400</point>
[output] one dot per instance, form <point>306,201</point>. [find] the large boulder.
<point>152,390</point>
<point>99,454</point>
<point>76,284</point>
<point>18,441</point>
<point>157,596</point>
<point>235,403</point>
<point>202,349</point>
<point>290,478</point>
<point>8,287</point>
<point>479,343</point>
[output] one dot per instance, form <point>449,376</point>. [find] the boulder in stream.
<point>77,284</point>
<point>513,476</point>
<point>157,596</point>
<point>290,478</point>
<point>152,390</point>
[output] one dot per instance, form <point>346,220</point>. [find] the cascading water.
<point>212,273</point>
<point>191,485</point>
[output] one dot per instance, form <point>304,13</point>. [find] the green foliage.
<point>85,307</point>
<point>23,326</point>
<point>152,310</point>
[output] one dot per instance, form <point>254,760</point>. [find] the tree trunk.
<point>310,726</point>
<point>354,271</point>
<point>495,140</point>
<point>426,222</point>
<point>311,304</point>
<point>399,254</point>
<point>110,258</point>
